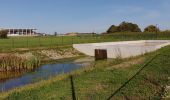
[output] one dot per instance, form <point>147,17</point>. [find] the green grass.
<point>149,83</point>
<point>36,42</point>
<point>100,82</point>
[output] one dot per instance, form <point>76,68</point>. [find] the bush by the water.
<point>15,63</point>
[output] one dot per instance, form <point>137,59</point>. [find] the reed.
<point>18,63</point>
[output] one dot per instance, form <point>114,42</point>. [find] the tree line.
<point>131,27</point>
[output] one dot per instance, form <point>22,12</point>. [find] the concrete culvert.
<point>122,49</point>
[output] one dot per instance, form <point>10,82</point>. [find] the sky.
<point>62,16</point>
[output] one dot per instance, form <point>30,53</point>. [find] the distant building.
<point>62,35</point>
<point>72,34</point>
<point>21,32</point>
<point>81,34</point>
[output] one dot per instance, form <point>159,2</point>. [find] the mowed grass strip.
<point>54,41</point>
<point>100,82</point>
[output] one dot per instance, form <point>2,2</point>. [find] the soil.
<point>59,54</point>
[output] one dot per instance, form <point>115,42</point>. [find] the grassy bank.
<point>29,59</point>
<point>101,81</point>
<point>13,43</point>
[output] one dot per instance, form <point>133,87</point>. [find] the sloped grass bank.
<point>150,83</point>
<point>100,81</point>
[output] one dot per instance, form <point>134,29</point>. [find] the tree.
<point>151,28</point>
<point>166,31</point>
<point>124,27</point>
<point>128,27</point>
<point>3,33</point>
<point>112,29</point>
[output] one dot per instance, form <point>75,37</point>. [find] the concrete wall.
<point>123,49</point>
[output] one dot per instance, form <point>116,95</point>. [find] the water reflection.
<point>4,76</point>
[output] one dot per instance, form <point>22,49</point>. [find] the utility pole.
<point>55,33</point>
<point>156,31</point>
<point>156,28</point>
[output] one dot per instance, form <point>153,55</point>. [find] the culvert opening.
<point>100,54</point>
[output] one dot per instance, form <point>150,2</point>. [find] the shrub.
<point>17,63</point>
<point>151,28</point>
<point>3,33</point>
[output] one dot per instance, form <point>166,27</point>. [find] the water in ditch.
<point>11,80</point>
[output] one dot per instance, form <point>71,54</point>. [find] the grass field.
<point>101,81</point>
<point>52,41</point>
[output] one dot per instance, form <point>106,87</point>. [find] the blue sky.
<point>65,16</point>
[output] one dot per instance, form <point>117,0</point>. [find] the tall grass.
<point>15,63</point>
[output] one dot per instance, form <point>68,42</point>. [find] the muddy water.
<point>10,80</point>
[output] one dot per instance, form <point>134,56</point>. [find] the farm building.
<point>21,32</point>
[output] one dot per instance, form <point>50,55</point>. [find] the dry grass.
<point>15,62</point>
<point>59,53</point>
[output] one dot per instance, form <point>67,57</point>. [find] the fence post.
<point>62,40</point>
<point>57,41</point>
<point>39,41</point>
<point>12,43</point>
<point>72,88</point>
<point>51,42</point>
<point>27,41</point>
<point>72,40</point>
